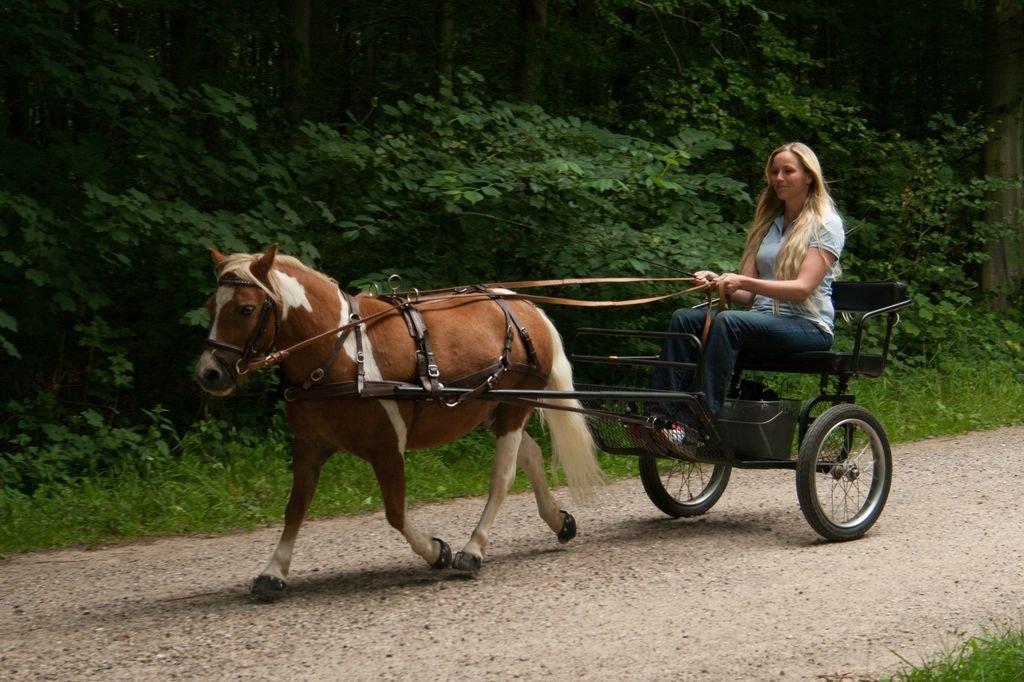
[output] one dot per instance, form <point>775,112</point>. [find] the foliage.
<point>997,655</point>
<point>609,137</point>
<point>919,219</point>
<point>82,446</point>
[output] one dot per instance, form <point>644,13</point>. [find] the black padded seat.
<point>867,298</point>
<point>819,362</point>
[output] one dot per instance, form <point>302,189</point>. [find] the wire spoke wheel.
<point>683,488</point>
<point>844,472</point>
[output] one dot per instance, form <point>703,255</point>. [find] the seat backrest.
<point>865,296</point>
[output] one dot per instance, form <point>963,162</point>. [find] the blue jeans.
<point>734,334</point>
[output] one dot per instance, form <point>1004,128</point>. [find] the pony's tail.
<point>572,445</point>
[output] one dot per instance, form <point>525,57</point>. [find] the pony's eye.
<point>247,310</point>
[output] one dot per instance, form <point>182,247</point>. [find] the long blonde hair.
<point>811,221</point>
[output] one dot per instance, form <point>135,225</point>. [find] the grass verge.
<point>246,482</point>
<point>994,656</point>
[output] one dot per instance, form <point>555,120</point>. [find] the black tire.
<point>683,488</point>
<point>837,497</point>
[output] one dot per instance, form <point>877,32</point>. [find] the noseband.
<point>249,350</point>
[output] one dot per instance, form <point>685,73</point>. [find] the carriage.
<point>379,375</point>
<point>841,455</point>
<point>842,458</point>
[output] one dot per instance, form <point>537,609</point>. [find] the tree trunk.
<point>16,95</point>
<point>295,59</point>
<point>85,33</point>
<point>446,30</point>
<point>622,79</point>
<point>533,21</point>
<point>325,51</point>
<point>183,61</point>
<point>1004,151</point>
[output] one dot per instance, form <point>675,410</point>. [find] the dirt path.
<point>746,592</point>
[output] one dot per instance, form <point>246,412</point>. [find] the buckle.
<point>316,375</point>
<point>433,372</point>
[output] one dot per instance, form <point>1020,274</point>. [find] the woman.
<point>789,263</point>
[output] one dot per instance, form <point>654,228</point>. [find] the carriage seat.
<point>859,302</point>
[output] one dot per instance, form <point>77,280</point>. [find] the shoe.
<point>677,438</point>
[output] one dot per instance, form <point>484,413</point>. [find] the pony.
<point>268,300</point>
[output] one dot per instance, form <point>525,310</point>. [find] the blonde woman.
<point>789,262</point>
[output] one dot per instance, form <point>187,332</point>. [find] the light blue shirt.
<point>830,237</point>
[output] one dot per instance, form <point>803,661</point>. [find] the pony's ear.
<point>261,268</point>
<point>217,257</point>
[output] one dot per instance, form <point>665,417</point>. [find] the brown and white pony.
<point>466,335</point>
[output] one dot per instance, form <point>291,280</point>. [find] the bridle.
<point>249,350</point>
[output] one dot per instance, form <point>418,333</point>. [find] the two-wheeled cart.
<point>841,455</point>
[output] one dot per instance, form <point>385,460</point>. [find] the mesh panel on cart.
<point>609,363</point>
<point>659,437</point>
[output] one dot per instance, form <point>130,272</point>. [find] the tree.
<point>295,58</point>
<point>533,22</point>
<point>1004,151</point>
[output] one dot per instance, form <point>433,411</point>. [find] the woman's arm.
<point>743,287</point>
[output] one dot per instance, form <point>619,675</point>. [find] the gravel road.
<point>746,592</point>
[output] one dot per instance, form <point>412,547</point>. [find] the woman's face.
<point>788,177</point>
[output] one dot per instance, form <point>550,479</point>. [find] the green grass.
<point>248,486</point>
<point>996,656</point>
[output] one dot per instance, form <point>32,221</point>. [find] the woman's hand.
<point>730,282</point>
<point>705,275</point>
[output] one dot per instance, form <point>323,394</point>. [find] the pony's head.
<point>245,318</point>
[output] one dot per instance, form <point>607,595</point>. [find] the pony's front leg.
<point>390,472</point>
<point>307,462</point>
<point>503,473</point>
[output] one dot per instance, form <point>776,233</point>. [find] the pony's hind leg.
<point>531,462</point>
<point>390,472</point>
<point>503,473</point>
<point>307,463</point>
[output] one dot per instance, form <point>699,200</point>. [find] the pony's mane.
<point>240,265</point>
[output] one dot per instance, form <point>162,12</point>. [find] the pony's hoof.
<point>470,563</point>
<point>444,558</point>
<point>266,587</point>
<point>568,531</point>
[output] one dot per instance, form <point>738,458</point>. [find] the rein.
<point>246,363</point>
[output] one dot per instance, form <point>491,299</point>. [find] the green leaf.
<point>8,322</point>
<point>247,121</point>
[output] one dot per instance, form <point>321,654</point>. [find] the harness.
<point>429,375</point>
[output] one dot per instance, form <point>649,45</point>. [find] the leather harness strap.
<point>428,373</point>
<point>318,374</point>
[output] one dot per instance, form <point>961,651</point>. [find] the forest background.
<point>456,142</point>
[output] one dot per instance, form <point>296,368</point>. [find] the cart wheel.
<point>843,472</point>
<point>683,488</point>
